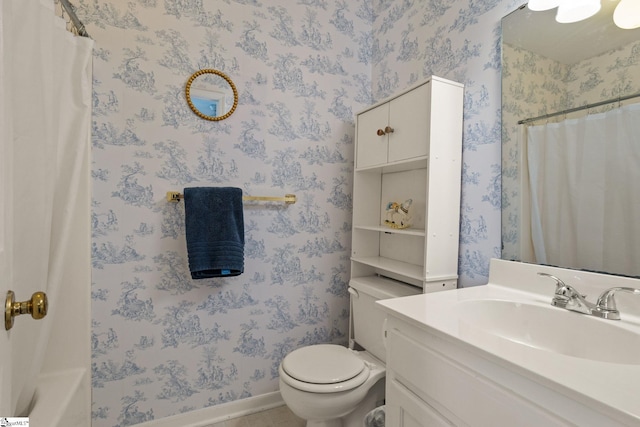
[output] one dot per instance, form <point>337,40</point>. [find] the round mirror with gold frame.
<point>211,94</point>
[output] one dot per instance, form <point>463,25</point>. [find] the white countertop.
<point>611,388</point>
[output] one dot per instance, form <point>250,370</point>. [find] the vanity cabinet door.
<point>404,409</point>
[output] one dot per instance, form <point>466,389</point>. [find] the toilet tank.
<point>367,319</point>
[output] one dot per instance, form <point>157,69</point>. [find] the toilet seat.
<point>324,368</point>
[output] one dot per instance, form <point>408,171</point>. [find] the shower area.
<point>45,117</point>
<point>582,180</point>
<point>570,144</point>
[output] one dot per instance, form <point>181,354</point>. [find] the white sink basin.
<point>551,329</point>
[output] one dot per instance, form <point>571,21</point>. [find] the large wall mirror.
<point>211,94</point>
<point>549,67</point>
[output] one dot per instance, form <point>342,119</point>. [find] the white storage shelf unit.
<point>409,147</point>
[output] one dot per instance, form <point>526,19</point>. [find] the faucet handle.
<point>559,283</point>
<point>606,305</point>
<point>563,292</point>
<point>566,296</point>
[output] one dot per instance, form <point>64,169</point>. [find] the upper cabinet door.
<point>372,147</point>
<point>396,130</point>
<point>410,119</point>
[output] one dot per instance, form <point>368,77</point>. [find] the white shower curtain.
<point>585,191</point>
<point>45,96</point>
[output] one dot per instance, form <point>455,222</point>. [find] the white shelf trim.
<point>394,266</point>
<point>381,228</point>
<point>398,166</point>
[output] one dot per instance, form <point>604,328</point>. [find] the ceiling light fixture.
<point>627,14</point>
<point>576,10</point>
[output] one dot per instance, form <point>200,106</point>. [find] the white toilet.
<point>332,386</point>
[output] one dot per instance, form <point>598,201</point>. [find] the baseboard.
<point>215,414</point>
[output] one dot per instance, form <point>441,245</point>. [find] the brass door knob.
<point>37,307</point>
<point>380,132</point>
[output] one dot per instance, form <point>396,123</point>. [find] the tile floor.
<point>276,417</point>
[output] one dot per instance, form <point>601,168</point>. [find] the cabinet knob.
<point>388,129</point>
<point>380,132</point>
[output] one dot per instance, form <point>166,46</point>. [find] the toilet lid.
<point>322,364</point>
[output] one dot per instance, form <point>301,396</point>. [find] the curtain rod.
<point>583,107</point>
<point>74,18</point>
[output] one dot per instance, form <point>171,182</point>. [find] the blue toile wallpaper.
<point>164,344</point>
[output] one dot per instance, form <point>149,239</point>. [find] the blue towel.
<point>215,231</point>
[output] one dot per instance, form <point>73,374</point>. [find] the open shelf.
<point>383,229</point>
<point>402,165</point>
<point>411,271</point>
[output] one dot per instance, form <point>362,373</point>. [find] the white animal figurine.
<point>398,215</point>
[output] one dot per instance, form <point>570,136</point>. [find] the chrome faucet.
<point>606,305</point>
<point>566,296</point>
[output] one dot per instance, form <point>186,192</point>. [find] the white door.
<point>5,230</point>
<point>20,272</point>
<point>24,229</point>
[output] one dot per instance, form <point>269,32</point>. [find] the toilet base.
<point>374,398</point>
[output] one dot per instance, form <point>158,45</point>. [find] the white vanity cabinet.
<point>502,355</point>
<point>427,386</point>
<point>409,146</point>
<point>434,382</point>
